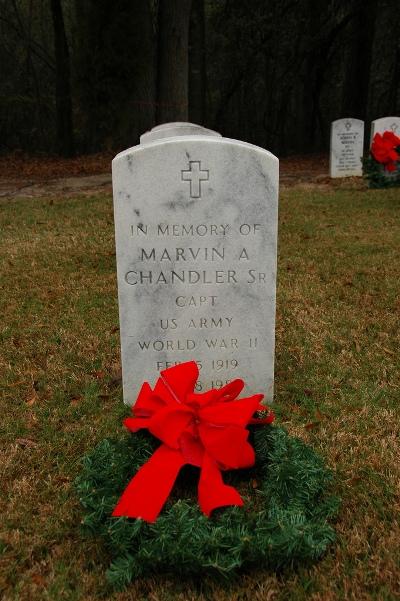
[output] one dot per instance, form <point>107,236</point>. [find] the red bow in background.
<point>207,430</point>
<point>385,149</point>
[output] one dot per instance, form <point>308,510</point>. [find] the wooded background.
<point>80,76</point>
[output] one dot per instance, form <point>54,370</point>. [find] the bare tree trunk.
<point>197,64</point>
<point>384,80</point>
<point>358,67</point>
<point>144,91</point>
<point>65,134</point>
<point>173,67</point>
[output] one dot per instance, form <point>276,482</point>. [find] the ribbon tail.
<point>212,491</point>
<point>149,489</point>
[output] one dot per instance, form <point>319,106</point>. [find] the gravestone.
<point>385,124</point>
<point>347,141</point>
<point>196,236</point>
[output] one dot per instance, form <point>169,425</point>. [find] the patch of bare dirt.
<point>42,168</point>
<point>26,176</point>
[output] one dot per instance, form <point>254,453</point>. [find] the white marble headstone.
<point>385,124</point>
<point>196,237</point>
<point>347,141</point>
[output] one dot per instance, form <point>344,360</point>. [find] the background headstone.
<point>196,235</point>
<point>385,124</point>
<point>347,141</point>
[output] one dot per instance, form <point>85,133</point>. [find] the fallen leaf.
<point>99,374</point>
<point>31,400</point>
<point>31,420</point>
<point>38,579</point>
<point>26,442</point>
<point>63,479</point>
<point>75,400</point>
<point>311,425</point>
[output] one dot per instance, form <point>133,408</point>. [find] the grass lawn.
<point>337,387</point>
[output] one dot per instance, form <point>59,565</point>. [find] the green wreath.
<point>376,176</point>
<point>284,522</point>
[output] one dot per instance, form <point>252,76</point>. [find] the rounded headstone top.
<point>180,128</point>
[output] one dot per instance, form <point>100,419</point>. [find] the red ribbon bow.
<point>207,430</point>
<point>385,149</point>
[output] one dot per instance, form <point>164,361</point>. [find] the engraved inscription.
<point>177,330</point>
<point>348,158</point>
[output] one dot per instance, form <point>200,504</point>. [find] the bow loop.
<point>237,412</point>
<point>227,445</point>
<point>177,388</point>
<point>230,391</point>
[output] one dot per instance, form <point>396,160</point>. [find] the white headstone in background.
<point>385,124</point>
<point>196,237</point>
<point>347,141</point>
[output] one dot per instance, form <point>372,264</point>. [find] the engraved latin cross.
<point>195,175</point>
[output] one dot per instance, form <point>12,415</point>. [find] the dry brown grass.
<point>337,388</point>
